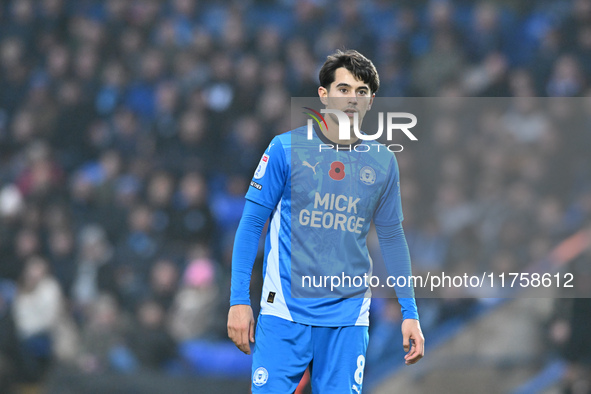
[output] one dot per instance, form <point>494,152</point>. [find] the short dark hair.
<point>360,66</point>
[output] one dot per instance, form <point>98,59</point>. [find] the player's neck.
<point>332,133</point>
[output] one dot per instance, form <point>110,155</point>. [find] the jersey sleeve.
<point>269,179</point>
<point>397,259</point>
<point>389,209</point>
<point>244,253</point>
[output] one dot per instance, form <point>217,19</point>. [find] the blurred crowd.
<point>129,130</point>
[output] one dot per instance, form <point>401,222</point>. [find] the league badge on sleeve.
<point>260,171</point>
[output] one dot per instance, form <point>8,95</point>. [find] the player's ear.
<point>323,94</point>
<point>371,101</point>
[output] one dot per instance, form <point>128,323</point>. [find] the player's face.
<point>348,94</point>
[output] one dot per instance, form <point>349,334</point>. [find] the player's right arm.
<point>240,316</point>
<point>265,191</point>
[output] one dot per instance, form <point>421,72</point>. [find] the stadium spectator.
<point>62,255</point>
<point>102,335</point>
<point>44,329</point>
<point>194,220</point>
<point>159,196</point>
<point>148,339</point>
<point>164,282</point>
<point>12,365</point>
<point>193,311</point>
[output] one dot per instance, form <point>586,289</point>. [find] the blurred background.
<point>129,130</point>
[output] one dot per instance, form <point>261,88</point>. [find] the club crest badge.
<point>260,376</point>
<point>367,175</point>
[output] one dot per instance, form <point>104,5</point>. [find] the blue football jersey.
<point>323,202</point>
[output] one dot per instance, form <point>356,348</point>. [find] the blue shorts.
<point>283,349</point>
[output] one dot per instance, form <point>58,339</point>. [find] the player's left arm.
<point>388,222</point>
<point>397,258</point>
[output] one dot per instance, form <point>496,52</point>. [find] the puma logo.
<point>355,388</point>
<point>306,164</point>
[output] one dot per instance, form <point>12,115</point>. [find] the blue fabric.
<point>271,176</point>
<point>323,201</point>
<point>39,345</point>
<point>123,360</point>
<point>283,349</point>
<point>319,215</point>
<point>246,244</point>
<point>141,99</point>
<point>220,358</point>
<point>397,259</point>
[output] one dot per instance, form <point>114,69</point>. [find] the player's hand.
<point>241,326</point>
<point>413,341</point>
